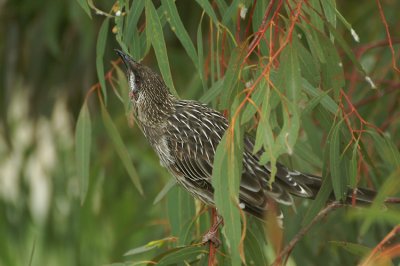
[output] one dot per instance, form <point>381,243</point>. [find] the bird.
<point>185,134</point>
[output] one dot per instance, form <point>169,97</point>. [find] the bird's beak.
<point>128,61</point>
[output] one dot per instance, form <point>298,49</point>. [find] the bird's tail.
<point>358,196</point>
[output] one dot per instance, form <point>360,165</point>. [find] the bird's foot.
<point>212,234</point>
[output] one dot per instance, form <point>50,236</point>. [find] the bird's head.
<point>150,97</point>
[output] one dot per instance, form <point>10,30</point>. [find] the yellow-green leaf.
<point>155,34</point>
<point>120,148</point>
<point>100,48</point>
<point>85,7</point>
<point>83,135</point>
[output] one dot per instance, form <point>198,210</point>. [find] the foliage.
<point>294,74</point>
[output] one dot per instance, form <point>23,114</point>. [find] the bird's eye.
<point>137,81</point>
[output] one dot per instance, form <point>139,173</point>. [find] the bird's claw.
<point>212,234</point>
<point>211,237</point>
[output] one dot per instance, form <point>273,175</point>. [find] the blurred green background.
<point>47,66</point>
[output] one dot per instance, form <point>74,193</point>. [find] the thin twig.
<point>212,247</point>
<point>369,260</point>
<point>284,254</point>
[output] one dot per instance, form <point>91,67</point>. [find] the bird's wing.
<point>194,132</point>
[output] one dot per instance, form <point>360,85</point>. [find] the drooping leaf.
<point>132,19</point>
<point>388,189</point>
<point>156,36</point>
<point>200,55</point>
<point>309,65</point>
<point>327,102</point>
<point>181,211</point>
<point>386,149</point>
<point>230,12</point>
<point>149,246</point>
<point>329,7</point>
<point>100,49</point>
<point>170,184</point>
<point>183,254</point>
<point>346,48</point>
<point>354,248</point>
<point>232,76</point>
<point>322,196</point>
<point>254,248</point>
<point>85,7</point>
<point>212,92</point>
<point>257,97</point>
<point>225,180</point>
<point>178,28</point>
<point>83,135</point>
<point>353,166</point>
<point>120,148</point>
<point>332,68</point>
<point>122,94</point>
<point>289,72</point>
<point>338,181</point>
<point>205,4</point>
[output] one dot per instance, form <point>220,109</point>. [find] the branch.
<point>284,254</point>
<point>373,255</point>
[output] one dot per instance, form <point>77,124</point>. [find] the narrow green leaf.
<point>386,149</point>
<point>265,136</point>
<point>332,69</point>
<point>212,92</point>
<point>258,15</point>
<point>83,135</point>
<point>257,97</point>
<point>253,248</point>
<point>231,12</point>
<point>119,26</point>
<point>353,248</point>
<point>353,166</point>
<point>181,255</point>
<point>338,180</point>
<point>32,252</point>
<point>120,148</point>
<point>123,88</point>
<point>100,49</point>
<point>85,7</point>
<point>225,180</point>
<point>139,250</point>
<point>319,202</point>
<point>304,151</point>
<point>314,11</point>
<point>290,72</point>
<point>232,75</point>
<point>222,6</point>
<point>206,6</point>
<point>287,137</point>
<point>327,102</point>
<point>155,34</point>
<point>131,21</point>
<point>313,103</point>
<point>369,216</point>
<point>149,246</point>
<point>181,211</point>
<point>200,54</point>
<point>388,189</point>
<point>309,65</point>
<point>329,7</point>
<point>346,48</point>
<point>170,184</point>
<point>178,28</point>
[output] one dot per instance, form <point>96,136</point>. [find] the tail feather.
<point>313,183</point>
